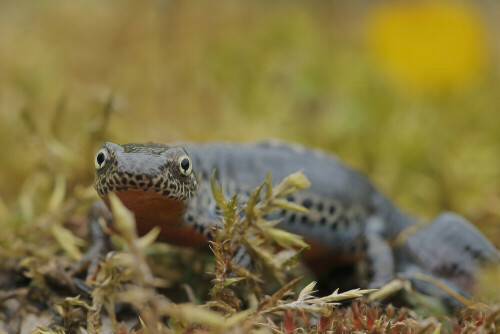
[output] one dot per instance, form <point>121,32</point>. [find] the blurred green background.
<point>407,92</point>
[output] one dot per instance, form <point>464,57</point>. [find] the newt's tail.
<point>450,247</point>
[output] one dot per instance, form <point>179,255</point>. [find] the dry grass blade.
<point>306,302</point>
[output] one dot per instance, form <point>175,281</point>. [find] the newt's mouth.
<point>125,182</point>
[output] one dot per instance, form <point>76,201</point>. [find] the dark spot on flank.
<point>283,212</point>
<point>158,184</point>
<point>307,203</point>
<point>334,226</point>
<point>290,198</point>
<point>117,181</point>
<point>138,177</point>
<point>454,267</point>
<point>320,206</point>
<point>132,183</point>
<point>364,244</point>
<point>142,184</point>
<point>201,229</point>
<point>342,221</point>
<point>322,221</point>
<point>150,183</point>
<point>124,180</point>
<point>370,274</point>
<point>105,189</point>
<point>166,192</point>
<point>111,182</point>
<point>332,209</point>
<point>292,218</point>
<point>190,218</point>
<point>303,220</point>
<point>476,254</point>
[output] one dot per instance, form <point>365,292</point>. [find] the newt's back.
<point>341,202</point>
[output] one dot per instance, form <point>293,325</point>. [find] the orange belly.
<point>152,209</point>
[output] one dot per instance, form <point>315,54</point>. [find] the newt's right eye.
<point>100,158</point>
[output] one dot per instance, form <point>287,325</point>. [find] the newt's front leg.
<point>99,240</point>
<point>379,260</point>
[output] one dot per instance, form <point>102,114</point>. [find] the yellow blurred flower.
<point>428,46</point>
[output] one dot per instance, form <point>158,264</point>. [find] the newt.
<point>348,219</point>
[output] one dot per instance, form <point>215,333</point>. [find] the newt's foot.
<point>100,241</point>
<point>451,248</point>
<point>82,286</point>
<point>90,261</point>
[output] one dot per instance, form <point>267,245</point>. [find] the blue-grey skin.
<point>346,214</point>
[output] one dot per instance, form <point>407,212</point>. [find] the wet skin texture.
<point>348,219</point>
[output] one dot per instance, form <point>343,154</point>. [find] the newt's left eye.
<point>100,158</point>
<point>185,165</point>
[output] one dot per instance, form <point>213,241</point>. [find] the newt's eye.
<point>100,158</point>
<point>185,165</point>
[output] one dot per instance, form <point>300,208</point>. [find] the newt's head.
<point>153,181</point>
<point>158,170</point>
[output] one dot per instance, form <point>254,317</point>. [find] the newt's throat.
<point>151,209</point>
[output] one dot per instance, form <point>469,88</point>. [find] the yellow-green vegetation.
<point>422,124</point>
